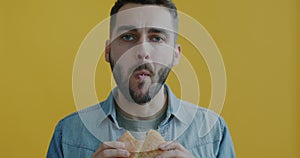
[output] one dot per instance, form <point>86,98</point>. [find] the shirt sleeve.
<point>226,148</point>
<point>55,147</point>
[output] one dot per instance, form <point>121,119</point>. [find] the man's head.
<point>142,48</point>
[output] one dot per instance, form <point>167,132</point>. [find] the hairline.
<point>174,18</point>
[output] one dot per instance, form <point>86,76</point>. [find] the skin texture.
<point>141,55</point>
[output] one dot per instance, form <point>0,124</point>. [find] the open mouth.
<point>142,74</point>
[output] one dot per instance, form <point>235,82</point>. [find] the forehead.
<point>144,16</point>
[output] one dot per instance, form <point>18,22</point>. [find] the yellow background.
<point>258,39</point>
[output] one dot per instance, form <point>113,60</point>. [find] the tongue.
<point>139,76</point>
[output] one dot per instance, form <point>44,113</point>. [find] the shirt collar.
<point>175,107</point>
<point>109,107</point>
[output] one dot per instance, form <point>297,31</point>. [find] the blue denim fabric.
<point>201,131</point>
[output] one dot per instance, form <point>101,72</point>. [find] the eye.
<point>157,38</point>
<point>128,37</point>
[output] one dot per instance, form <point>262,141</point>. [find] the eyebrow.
<point>126,28</point>
<point>159,30</point>
<point>134,29</point>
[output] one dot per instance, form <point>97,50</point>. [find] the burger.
<point>147,148</point>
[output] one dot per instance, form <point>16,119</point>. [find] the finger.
<point>171,146</point>
<point>115,153</point>
<point>110,145</point>
<point>171,154</point>
<point>112,153</point>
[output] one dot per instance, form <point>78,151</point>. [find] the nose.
<point>143,51</point>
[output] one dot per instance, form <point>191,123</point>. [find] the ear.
<point>107,50</point>
<point>177,54</point>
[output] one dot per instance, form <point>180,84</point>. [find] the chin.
<point>140,99</point>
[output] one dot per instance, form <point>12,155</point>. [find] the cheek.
<point>163,55</point>
<point>120,52</point>
<point>123,58</point>
<point>117,51</point>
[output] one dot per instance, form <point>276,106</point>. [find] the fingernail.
<point>127,153</point>
<point>162,146</point>
<point>122,145</point>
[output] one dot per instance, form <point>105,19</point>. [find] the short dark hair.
<point>165,3</point>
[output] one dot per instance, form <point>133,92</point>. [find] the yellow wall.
<point>259,42</point>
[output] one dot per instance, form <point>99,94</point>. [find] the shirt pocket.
<point>208,150</point>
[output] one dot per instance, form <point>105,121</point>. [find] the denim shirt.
<point>201,131</point>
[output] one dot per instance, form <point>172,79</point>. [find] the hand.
<point>111,149</point>
<point>174,150</point>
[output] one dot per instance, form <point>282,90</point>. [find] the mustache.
<point>146,66</point>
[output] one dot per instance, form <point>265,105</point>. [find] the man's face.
<point>142,50</point>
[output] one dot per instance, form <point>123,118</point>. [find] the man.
<point>141,51</point>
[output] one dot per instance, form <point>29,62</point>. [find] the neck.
<point>150,110</point>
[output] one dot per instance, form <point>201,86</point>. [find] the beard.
<point>130,91</point>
